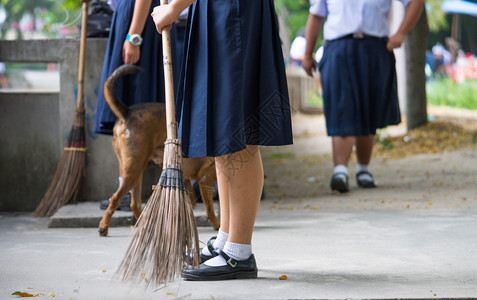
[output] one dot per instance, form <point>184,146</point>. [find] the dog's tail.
<point>118,107</point>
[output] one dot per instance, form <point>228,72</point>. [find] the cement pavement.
<point>414,237</point>
<point>330,253</point>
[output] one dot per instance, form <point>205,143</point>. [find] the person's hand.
<point>131,53</point>
<point>308,64</point>
<point>164,15</point>
<point>395,41</point>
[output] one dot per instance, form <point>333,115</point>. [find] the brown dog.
<point>139,136</point>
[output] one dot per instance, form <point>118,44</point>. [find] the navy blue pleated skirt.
<point>233,89</point>
<point>147,86</point>
<point>359,86</point>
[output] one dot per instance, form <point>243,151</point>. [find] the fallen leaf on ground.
<point>25,294</point>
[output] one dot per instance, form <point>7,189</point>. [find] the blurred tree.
<point>49,11</point>
<point>297,13</point>
<point>415,46</point>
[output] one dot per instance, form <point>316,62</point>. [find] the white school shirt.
<point>346,17</point>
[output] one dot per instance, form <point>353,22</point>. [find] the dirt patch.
<point>293,176</point>
<point>434,137</point>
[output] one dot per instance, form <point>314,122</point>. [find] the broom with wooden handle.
<point>66,185</point>
<point>165,239</point>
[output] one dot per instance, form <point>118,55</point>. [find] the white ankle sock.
<point>219,242</point>
<point>216,261</point>
<point>221,239</point>
<point>236,251</point>
<point>363,168</point>
<point>341,169</point>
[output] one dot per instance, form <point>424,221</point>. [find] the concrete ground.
<point>413,237</point>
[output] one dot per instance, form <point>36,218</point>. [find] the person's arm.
<point>131,53</point>
<point>312,31</point>
<point>413,12</point>
<point>165,15</point>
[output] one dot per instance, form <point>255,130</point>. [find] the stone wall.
<point>34,126</point>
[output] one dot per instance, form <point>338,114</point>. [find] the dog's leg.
<point>190,188</point>
<point>207,192</point>
<point>136,198</point>
<point>113,205</point>
<point>131,171</point>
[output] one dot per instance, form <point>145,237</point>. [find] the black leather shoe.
<point>365,183</point>
<point>210,247</point>
<point>338,183</point>
<point>244,269</point>
<point>125,204</point>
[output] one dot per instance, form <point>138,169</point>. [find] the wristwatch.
<point>134,39</point>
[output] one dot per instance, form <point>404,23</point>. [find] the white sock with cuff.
<point>363,168</point>
<point>236,251</point>
<point>341,169</point>
<point>219,242</point>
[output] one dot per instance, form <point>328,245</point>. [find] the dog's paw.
<point>132,220</point>
<point>215,223</point>
<point>103,231</point>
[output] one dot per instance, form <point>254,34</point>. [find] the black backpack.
<point>99,19</point>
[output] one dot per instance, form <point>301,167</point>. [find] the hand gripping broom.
<point>70,173</point>
<point>165,238</point>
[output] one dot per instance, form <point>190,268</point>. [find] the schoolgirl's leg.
<point>364,149</point>
<point>342,147</point>
<point>240,179</point>
<point>240,182</point>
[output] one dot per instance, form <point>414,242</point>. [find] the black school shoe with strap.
<point>367,184</point>
<point>210,247</point>
<point>339,182</point>
<point>234,269</point>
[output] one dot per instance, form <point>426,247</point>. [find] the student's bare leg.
<point>240,178</point>
<point>364,150</point>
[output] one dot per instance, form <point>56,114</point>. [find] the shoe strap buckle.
<point>231,262</point>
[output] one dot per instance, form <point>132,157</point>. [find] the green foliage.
<point>66,12</point>
<point>383,140</point>
<point>445,92</point>
<point>315,100</point>
<point>51,12</point>
<point>297,11</point>
<point>436,17</point>
<point>281,155</point>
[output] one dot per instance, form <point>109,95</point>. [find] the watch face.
<point>135,39</point>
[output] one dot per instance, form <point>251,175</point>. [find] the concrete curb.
<point>88,215</point>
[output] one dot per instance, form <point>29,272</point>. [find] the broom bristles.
<point>65,187</point>
<point>165,238</point>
